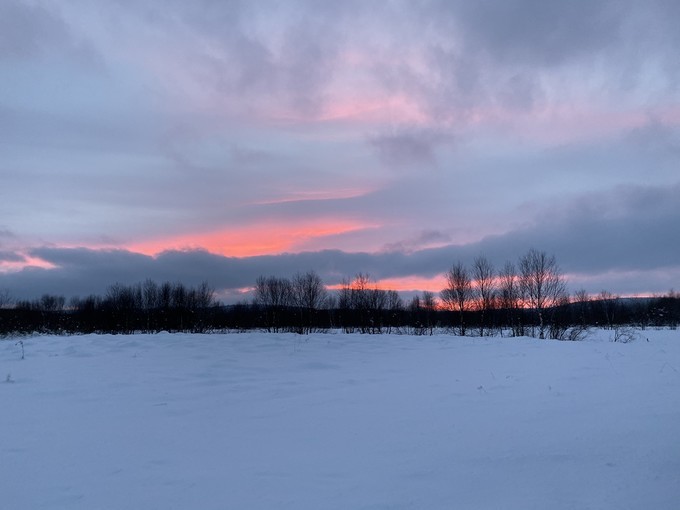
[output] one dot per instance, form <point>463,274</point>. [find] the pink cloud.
<point>261,239</point>
<point>7,266</point>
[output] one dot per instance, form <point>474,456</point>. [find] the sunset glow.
<point>216,141</point>
<point>264,239</point>
<point>414,283</point>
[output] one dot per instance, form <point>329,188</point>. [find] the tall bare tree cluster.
<point>485,290</point>
<point>301,296</point>
<point>457,295</point>
<point>363,307</point>
<point>534,286</point>
<point>541,285</point>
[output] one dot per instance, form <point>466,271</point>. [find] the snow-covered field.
<point>259,421</point>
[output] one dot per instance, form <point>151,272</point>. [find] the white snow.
<point>332,421</point>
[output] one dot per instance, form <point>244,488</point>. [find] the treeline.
<point>528,297</point>
<point>144,307</point>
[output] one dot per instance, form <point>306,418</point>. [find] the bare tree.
<point>509,297</point>
<point>582,301</point>
<point>150,294</point>
<point>457,296</point>
<point>123,304</point>
<point>422,309</point>
<point>395,307</point>
<point>361,305</point>
<point>429,306</point>
<point>429,301</point>
<point>344,304</point>
<point>200,300</point>
<point>273,291</point>
<point>273,295</point>
<point>50,303</point>
<point>308,291</point>
<point>415,315</point>
<point>359,292</point>
<point>541,284</point>
<point>308,294</point>
<point>609,304</point>
<point>179,296</point>
<point>483,276</point>
<point>394,301</point>
<point>5,299</point>
<point>377,304</point>
<point>165,296</point>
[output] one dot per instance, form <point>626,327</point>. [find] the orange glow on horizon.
<point>414,283</point>
<point>405,284</point>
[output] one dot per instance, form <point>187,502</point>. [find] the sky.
<point>223,140</point>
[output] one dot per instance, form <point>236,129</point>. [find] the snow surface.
<point>332,421</point>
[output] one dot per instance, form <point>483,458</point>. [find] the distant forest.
<point>524,298</point>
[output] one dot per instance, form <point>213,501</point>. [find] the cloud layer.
<point>221,140</point>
